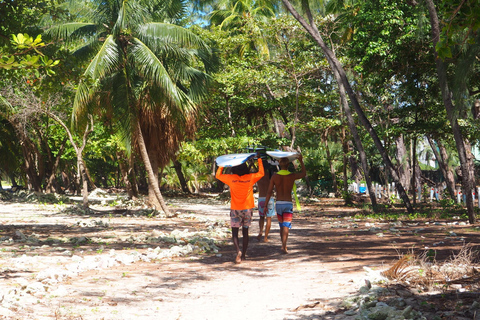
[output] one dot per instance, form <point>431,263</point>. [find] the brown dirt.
<point>329,248</point>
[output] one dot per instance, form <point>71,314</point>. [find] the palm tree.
<point>146,72</point>
<point>245,16</point>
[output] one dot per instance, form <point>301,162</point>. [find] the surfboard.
<point>234,159</point>
<point>283,154</point>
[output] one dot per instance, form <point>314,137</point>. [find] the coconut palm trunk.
<point>152,176</point>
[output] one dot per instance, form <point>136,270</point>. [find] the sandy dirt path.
<point>268,285</point>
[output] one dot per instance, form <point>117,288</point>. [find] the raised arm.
<point>303,173</point>
<point>219,175</point>
<point>261,171</point>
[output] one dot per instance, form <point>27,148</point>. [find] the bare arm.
<point>269,193</point>
<point>303,173</point>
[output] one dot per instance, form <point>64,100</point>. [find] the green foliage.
<point>133,69</point>
<point>23,44</point>
<point>460,27</point>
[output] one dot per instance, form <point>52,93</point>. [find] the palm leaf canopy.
<point>136,50</point>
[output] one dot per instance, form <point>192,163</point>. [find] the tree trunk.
<point>442,159</point>
<point>331,164</point>
<point>31,157</point>
<point>183,182</point>
<point>89,178</point>
<point>403,164</point>
<point>348,200</point>
<point>152,176</point>
<point>81,168</point>
<point>337,67</point>
<point>450,177</point>
<point>229,114</point>
<point>132,175</point>
<point>83,173</point>
<point>463,145</point>
<point>414,172</point>
<point>52,185</point>
<point>124,171</point>
<point>357,141</point>
<point>297,93</point>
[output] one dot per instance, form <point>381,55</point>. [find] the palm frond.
<point>152,68</point>
<point>121,22</point>
<point>164,10</point>
<point>106,61</point>
<point>72,31</point>
<point>82,97</point>
<point>124,102</point>
<point>218,16</point>
<point>198,84</point>
<point>88,48</point>
<point>165,33</point>
<point>231,21</point>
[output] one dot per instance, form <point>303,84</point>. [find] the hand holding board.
<point>235,159</point>
<point>283,154</point>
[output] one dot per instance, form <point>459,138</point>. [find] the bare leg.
<point>237,246</point>
<point>261,222</point>
<point>284,235</point>
<point>245,242</point>
<point>268,225</point>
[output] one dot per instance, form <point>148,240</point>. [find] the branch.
<point>60,122</point>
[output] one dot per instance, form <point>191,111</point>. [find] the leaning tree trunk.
<point>442,158</point>
<point>153,180</point>
<point>357,141</point>
<point>463,145</point>
<point>450,177</point>
<point>177,165</point>
<point>336,66</point>
<point>297,94</point>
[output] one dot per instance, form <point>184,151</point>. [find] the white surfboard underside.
<point>232,160</point>
<point>283,154</point>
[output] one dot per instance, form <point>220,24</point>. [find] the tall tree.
<point>462,143</point>
<point>339,71</point>
<point>147,73</point>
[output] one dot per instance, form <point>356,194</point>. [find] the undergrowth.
<point>424,272</point>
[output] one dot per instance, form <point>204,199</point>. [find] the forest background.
<point>144,95</point>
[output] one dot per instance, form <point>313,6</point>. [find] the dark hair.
<point>241,169</point>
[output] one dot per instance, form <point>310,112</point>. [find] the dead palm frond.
<point>422,270</point>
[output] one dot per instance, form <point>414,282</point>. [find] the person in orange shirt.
<point>241,183</point>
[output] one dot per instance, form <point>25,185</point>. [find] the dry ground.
<point>329,247</point>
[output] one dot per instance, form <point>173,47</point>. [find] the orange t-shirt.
<point>241,187</point>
